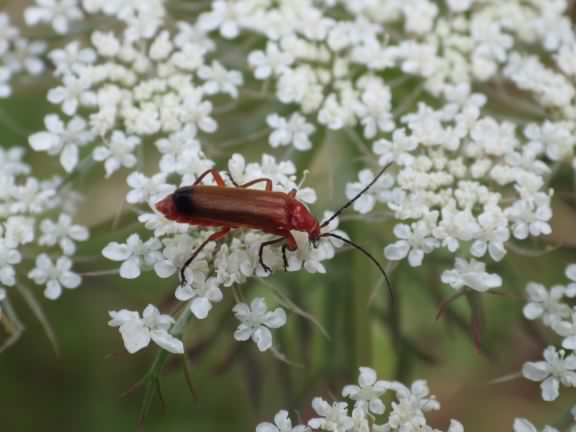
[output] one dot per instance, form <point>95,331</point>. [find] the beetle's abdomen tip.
<point>166,207</point>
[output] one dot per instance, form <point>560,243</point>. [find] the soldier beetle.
<point>266,210</point>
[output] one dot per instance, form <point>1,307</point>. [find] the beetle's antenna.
<point>369,255</point>
<point>358,195</point>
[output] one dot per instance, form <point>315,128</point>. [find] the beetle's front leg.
<point>216,236</point>
<point>261,252</point>
<point>291,242</point>
<point>290,245</point>
<point>284,257</point>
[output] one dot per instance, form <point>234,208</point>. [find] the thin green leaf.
<point>38,312</point>
<point>286,302</point>
<point>13,325</point>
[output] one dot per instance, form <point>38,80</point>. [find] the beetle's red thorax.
<point>302,220</point>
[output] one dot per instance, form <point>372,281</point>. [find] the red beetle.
<point>239,207</point>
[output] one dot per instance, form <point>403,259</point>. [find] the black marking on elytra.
<point>183,200</point>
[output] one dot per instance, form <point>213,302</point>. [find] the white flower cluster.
<point>461,178</point>
<point>465,182</point>
<point>552,308</point>
<point>366,410</point>
<point>124,89</point>
<point>224,264</point>
<point>137,332</point>
<point>142,19</point>
<point>323,66</point>
<point>524,425</point>
<point>255,322</point>
<point>27,209</point>
<point>58,13</point>
<point>329,66</point>
<point>19,56</point>
<point>149,84</point>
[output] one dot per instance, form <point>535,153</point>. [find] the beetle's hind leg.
<point>216,236</point>
<point>252,182</point>
<point>256,181</point>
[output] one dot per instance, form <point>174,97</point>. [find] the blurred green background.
<point>88,384</point>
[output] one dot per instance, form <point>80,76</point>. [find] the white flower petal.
<point>200,307</point>
<point>455,426</point>
<point>184,293</point>
<point>377,406</point>
<point>523,425</point>
<point>367,377</point>
<point>550,389</point>
<point>116,252</point>
<point>44,141</point>
<point>166,341</point>
<point>532,311</point>
<point>275,319</point>
<point>53,290</point>
<point>571,272</point>
<point>69,158</point>
<point>569,343</point>
<point>135,336</point>
<point>165,269</point>
<point>535,371</point>
<point>130,269</point>
<point>266,427</point>
<point>70,280</point>
<point>243,333</point>
<point>263,338</point>
<point>397,251</point>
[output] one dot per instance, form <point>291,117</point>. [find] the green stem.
<point>12,323</point>
<point>253,136</point>
<point>152,377</point>
<point>38,312</point>
<point>83,167</point>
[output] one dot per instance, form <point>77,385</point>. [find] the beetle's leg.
<point>258,180</point>
<point>290,245</point>
<point>261,252</point>
<point>291,242</point>
<point>284,257</point>
<point>216,236</point>
<point>215,175</point>
<point>252,182</point>
<point>234,182</point>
